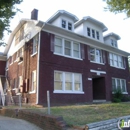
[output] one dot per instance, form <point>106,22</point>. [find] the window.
<point>35,43</point>
<point>96,55</point>
<point>97,35</point>
<point>88,32</point>
<point>67,82</point>
<point>20,52</point>
<point>58,45</point>
<point>93,33</point>
<point>20,81</point>
<point>116,60</point>
<point>119,84</point>
<point>67,48</point>
<point>63,24</point>
<point>113,43</point>
<point>69,26</point>
<point>33,85</point>
<point>15,83</point>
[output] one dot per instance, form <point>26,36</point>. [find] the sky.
<point>117,23</point>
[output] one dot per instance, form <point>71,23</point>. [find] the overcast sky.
<point>80,8</point>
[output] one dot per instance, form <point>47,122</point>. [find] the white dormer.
<point>63,19</point>
<point>91,28</point>
<point>111,39</point>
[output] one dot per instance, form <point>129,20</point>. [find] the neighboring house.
<point>70,58</point>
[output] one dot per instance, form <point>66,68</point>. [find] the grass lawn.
<point>84,114</point>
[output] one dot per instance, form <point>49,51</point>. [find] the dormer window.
<point>69,26</point>
<point>88,32</point>
<point>93,33</point>
<point>97,34</point>
<point>63,24</point>
<point>113,43</point>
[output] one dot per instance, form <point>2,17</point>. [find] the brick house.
<point>70,58</point>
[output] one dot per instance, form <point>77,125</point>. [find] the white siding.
<point>79,29</point>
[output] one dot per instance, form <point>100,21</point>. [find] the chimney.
<point>34,14</point>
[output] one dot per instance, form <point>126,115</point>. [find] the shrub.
<point>117,97</point>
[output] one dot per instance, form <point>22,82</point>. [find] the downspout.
<point>38,63</point>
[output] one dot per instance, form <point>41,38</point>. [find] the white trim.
<point>68,92</point>
<point>89,78</point>
<point>34,54</point>
<point>96,71</point>
<point>122,92</point>
<point>97,62</point>
<point>20,62</point>
<point>31,92</point>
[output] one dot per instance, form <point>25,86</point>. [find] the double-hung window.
<point>93,33</point>
<point>35,43</point>
<point>88,31</point>
<point>20,81</point>
<point>69,26</point>
<point>116,60</point>
<point>67,82</point>
<point>33,85</point>
<point>97,35</point>
<point>67,48</point>
<point>96,55</point>
<point>119,84</point>
<point>63,24</point>
<point>113,43</point>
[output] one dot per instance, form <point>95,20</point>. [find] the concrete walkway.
<point>7,123</point>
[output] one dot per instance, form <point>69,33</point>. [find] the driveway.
<point>7,123</point>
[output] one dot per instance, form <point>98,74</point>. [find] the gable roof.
<point>114,35</point>
<point>20,24</point>
<point>88,18</point>
<point>62,12</point>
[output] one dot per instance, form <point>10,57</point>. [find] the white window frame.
<point>112,60</point>
<point>120,84</point>
<point>20,81</point>
<point>88,32</point>
<point>35,45</point>
<point>97,35</point>
<point>114,43</point>
<point>64,24</point>
<point>33,76</point>
<point>67,24</point>
<point>93,33</point>
<point>71,49</point>
<point>73,81</point>
<point>95,55</point>
<point>71,26</point>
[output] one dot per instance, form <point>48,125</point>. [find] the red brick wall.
<point>24,69</point>
<point>50,62</point>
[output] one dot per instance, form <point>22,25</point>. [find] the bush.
<point>117,97</point>
<point>125,99</point>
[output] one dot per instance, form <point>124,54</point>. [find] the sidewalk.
<point>7,123</point>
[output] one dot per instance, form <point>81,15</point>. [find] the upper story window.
<point>67,25</point>
<point>19,35</point>
<point>63,24</point>
<point>67,48</point>
<point>20,81</point>
<point>67,82</point>
<point>93,33</point>
<point>119,84</point>
<point>116,60</point>
<point>113,43</point>
<point>35,43</point>
<point>96,55</point>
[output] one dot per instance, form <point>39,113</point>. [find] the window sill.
<point>117,67</point>
<point>33,54</point>
<point>97,63</point>
<point>68,56</point>
<point>20,62</point>
<point>11,63</point>
<point>14,89</point>
<point>32,92</point>
<point>122,92</point>
<point>68,92</point>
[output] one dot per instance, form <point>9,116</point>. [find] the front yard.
<point>78,115</point>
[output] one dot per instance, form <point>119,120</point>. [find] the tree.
<point>118,6</point>
<point>7,11</point>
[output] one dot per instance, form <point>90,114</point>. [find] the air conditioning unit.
<point>19,59</point>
